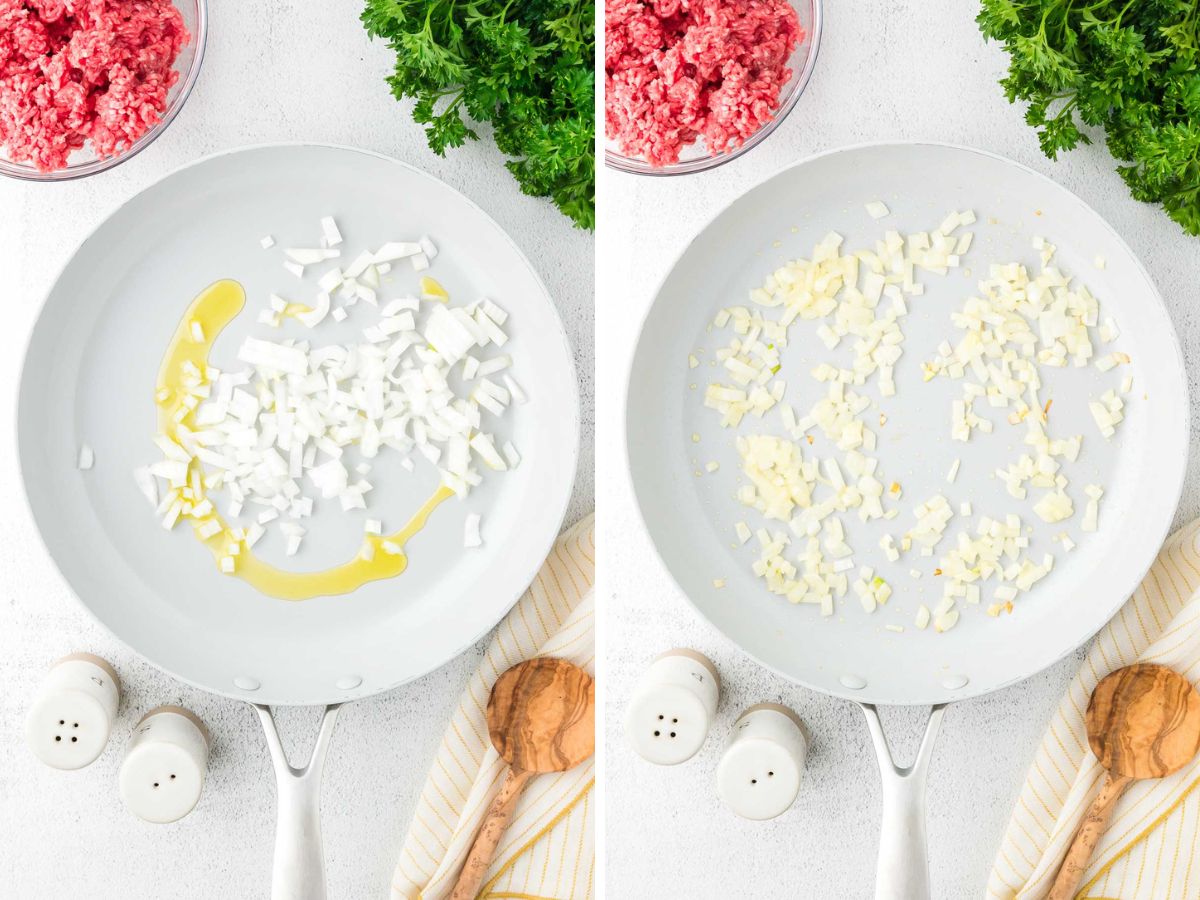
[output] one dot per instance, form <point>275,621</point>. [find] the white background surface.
<point>915,69</point>
<point>274,70</point>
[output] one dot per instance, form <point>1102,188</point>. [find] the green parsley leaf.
<point>525,67</point>
<point>1129,67</point>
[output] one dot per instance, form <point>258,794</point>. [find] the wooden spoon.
<point>541,718</point>
<point>1143,721</point>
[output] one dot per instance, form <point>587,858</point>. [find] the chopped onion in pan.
<point>817,460</point>
<point>277,434</point>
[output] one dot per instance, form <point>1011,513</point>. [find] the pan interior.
<point>89,378</point>
<point>691,513</point>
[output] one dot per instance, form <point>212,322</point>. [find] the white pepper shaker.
<point>162,775</point>
<point>673,706</point>
<point>759,774</point>
<point>70,721</point>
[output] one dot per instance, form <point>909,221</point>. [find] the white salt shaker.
<point>70,721</point>
<point>758,776</point>
<point>673,707</point>
<point>162,775</point>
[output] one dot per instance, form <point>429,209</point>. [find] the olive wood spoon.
<point>541,718</point>
<point>1143,721</point>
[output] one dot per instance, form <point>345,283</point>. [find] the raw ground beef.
<point>78,70</point>
<point>679,70</point>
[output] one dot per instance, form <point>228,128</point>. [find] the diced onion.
<point>280,427</point>
<point>471,537</point>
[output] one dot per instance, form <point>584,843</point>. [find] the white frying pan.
<point>691,516</point>
<point>89,378</point>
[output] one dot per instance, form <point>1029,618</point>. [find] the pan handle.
<point>903,869</point>
<point>299,868</point>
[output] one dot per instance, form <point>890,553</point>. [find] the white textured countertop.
<point>913,69</point>
<point>275,71</point>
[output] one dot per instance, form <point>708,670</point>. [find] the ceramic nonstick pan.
<point>690,514</point>
<point>89,378</point>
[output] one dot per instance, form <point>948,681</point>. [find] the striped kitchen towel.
<point>1151,850</point>
<point>548,850</point>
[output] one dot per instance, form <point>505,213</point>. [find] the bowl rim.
<point>635,166</point>
<point>23,172</point>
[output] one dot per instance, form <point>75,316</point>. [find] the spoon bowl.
<point>1143,721</point>
<point>541,715</point>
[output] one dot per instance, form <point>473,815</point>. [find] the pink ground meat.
<point>679,70</point>
<point>73,71</point>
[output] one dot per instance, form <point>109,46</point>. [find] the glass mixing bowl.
<point>697,157</point>
<point>84,162</point>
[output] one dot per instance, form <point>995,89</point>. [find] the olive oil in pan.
<point>383,556</point>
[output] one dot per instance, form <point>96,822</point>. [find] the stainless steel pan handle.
<point>299,868</point>
<point>903,869</point>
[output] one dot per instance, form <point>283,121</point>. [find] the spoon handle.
<point>1076,861</point>
<point>494,824</point>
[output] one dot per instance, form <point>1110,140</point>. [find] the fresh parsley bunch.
<point>1131,67</point>
<point>525,66</point>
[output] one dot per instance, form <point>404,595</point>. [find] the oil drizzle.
<point>186,357</point>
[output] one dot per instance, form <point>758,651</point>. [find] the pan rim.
<point>971,689</point>
<point>265,694</point>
